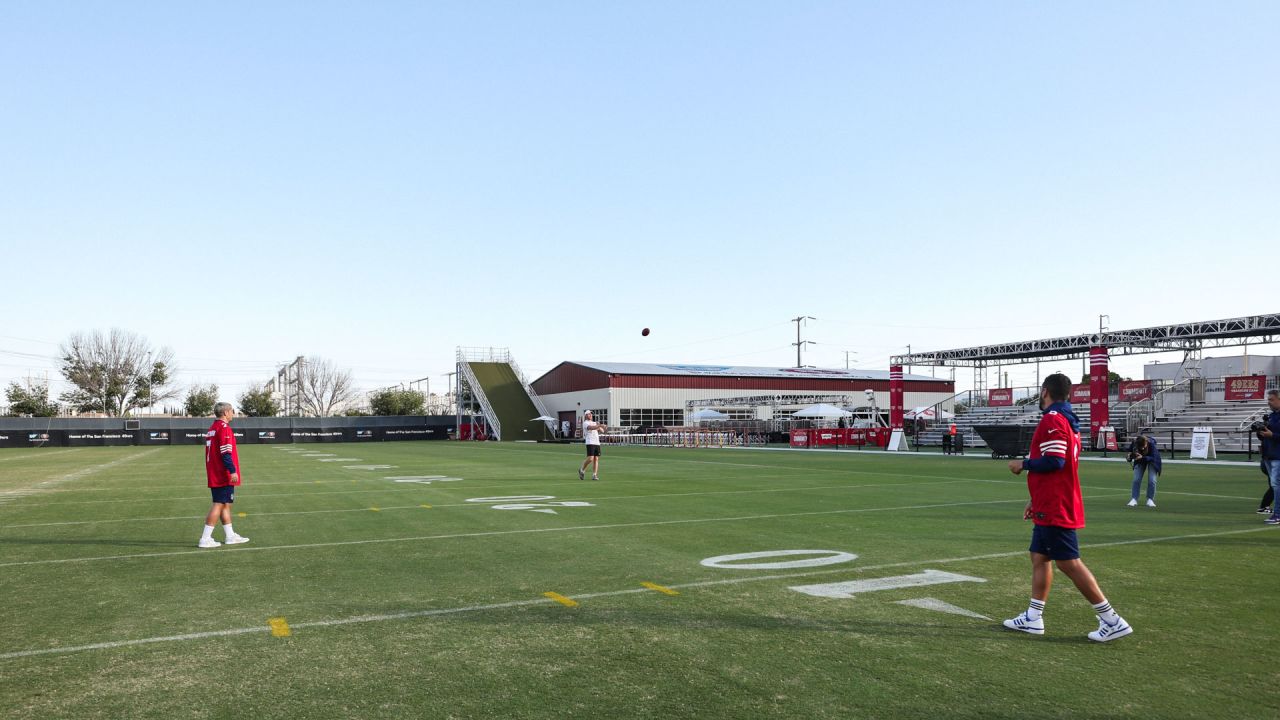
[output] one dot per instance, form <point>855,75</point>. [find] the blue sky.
<point>378,183</point>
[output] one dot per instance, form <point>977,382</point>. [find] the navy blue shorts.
<point>1058,543</point>
<point>225,495</point>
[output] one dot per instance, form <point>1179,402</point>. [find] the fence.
<point>91,432</point>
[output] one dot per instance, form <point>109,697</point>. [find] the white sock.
<point>1035,609</point>
<point>208,533</point>
<point>1105,612</point>
<point>226,528</point>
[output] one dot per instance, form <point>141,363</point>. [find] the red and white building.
<point>643,394</point>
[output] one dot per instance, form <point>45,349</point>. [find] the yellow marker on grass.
<point>660,588</point>
<point>567,602</point>
<point>376,509</point>
<point>279,628</point>
<point>425,506</point>
<point>242,514</point>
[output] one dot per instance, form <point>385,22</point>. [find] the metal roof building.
<point>644,394</point>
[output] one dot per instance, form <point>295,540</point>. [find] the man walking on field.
<point>1056,508</point>
<point>222,468</point>
<point>591,438</point>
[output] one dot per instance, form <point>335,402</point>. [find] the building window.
<point>639,417</point>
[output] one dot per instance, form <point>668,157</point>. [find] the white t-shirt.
<point>591,432</point>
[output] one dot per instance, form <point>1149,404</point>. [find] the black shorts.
<point>593,451</point>
<point>1058,543</point>
<point>224,495</point>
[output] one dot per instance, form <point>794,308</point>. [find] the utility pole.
<point>800,343</point>
<point>908,359</point>
<point>847,353</point>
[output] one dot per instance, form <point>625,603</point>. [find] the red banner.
<point>1099,401</point>
<point>1079,394</point>
<point>896,388</point>
<point>1245,387</point>
<point>1135,390</point>
<point>799,438</point>
<point>1000,397</point>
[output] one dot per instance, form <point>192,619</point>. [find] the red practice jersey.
<point>220,439</point>
<point>1055,496</point>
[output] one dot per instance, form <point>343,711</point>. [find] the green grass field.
<point>406,599</point>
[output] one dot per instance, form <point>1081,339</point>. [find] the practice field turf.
<point>393,580</point>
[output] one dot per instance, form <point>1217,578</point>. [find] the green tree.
<point>258,403</point>
<point>1113,377</point>
<point>32,400</point>
<point>397,402</point>
<point>200,400</point>
<point>115,372</point>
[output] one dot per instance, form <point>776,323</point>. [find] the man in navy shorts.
<point>1056,508</point>
<point>222,468</point>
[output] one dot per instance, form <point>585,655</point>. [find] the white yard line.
<point>39,454</point>
<point>445,505</point>
<point>69,477</point>
<point>496,533</point>
<point>407,615</point>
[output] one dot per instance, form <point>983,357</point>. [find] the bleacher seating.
<point>1223,416</point>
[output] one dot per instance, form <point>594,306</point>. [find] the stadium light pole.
<point>847,353</point>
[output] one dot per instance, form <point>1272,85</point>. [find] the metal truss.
<point>1187,337</point>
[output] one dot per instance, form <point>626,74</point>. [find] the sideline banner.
<point>1135,390</point>
<point>1244,387</point>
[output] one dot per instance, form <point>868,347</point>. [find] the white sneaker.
<point>1026,625</point>
<point>1133,502</point>
<point>1151,503</point>
<point>1107,632</point>
<point>237,539</point>
<point>209,543</point>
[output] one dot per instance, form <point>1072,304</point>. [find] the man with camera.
<point>1268,430</point>
<point>1145,458</point>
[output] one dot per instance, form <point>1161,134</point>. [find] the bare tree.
<point>322,387</point>
<point>116,372</point>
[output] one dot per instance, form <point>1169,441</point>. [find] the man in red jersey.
<point>222,466</point>
<point>1053,478</point>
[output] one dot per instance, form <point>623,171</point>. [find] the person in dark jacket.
<point>1270,436</point>
<point>1145,457</point>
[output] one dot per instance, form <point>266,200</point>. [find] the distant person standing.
<point>1269,434</point>
<point>591,437</point>
<point>949,439</point>
<point>222,468</point>
<point>1145,457</point>
<point>1056,508</point>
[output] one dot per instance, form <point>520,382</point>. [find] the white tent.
<point>707,414</point>
<point>822,410</point>
<point>927,412</point>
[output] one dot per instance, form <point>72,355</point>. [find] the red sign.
<point>799,438</point>
<point>1135,390</point>
<point>1245,387</point>
<point>1079,394</point>
<point>1000,397</point>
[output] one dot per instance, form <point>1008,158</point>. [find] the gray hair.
<point>1273,392</point>
<point>221,408</point>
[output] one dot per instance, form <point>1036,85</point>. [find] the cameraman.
<point>1269,434</point>
<point>1145,457</point>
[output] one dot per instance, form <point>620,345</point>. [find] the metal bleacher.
<point>1029,414</point>
<point>1227,418</point>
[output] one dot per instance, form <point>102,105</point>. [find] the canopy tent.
<point>822,410</point>
<point>928,412</point>
<point>707,414</point>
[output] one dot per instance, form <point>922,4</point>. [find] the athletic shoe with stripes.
<point>1107,632</point>
<point>1027,625</point>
